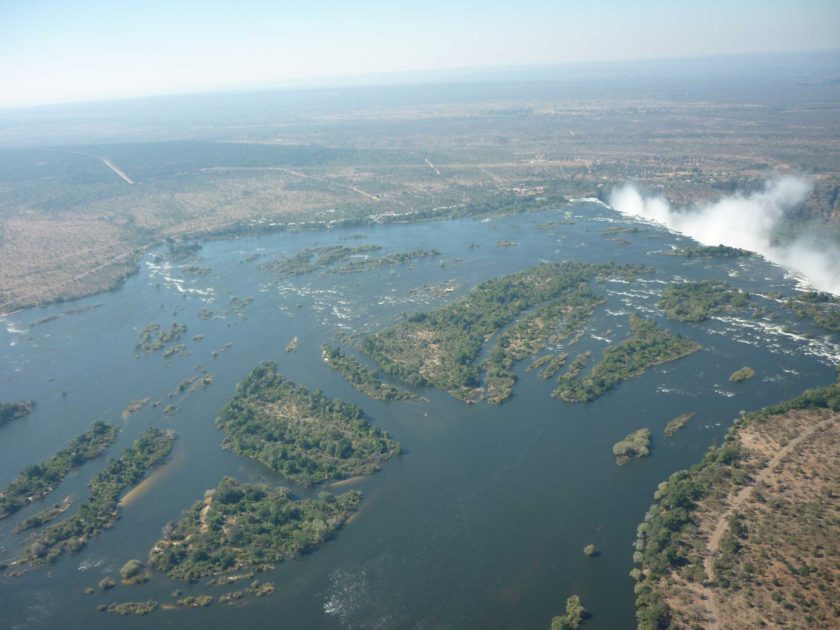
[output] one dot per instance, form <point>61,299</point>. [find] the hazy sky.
<point>66,50</point>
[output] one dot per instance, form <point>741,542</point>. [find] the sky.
<point>77,50</point>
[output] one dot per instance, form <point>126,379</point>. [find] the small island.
<point>246,526</point>
<point>39,480</point>
<point>301,433</point>
<point>138,609</point>
<point>713,251</point>
<point>572,620</point>
<point>822,308</point>
<point>47,515</point>
<point>313,259</point>
<point>637,444</point>
<point>101,510</point>
<point>15,410</point>
<point>677,423</point>
<point>393,258</point>
<point>362,378</point>
<point>698,301</point>
<point>153,338</point>
<point>649,345</point>
<point>744,374</point>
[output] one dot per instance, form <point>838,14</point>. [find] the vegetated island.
<point>712,251</point>
<point>15,410</point>
<point>362,378</point>
<point>124,609</point>
<point>441,348</point>
<point>648,345</point>
<point>749,536</point>
<point>313,259</point>
<point>134,406</point>
<point>301,433</point>
<point>153,338</point>
<point>37,481</point>
<point>101,510</point>
<point>677,423</point>
<point>744,374</point>
<point>388,260</point>
<point>636,444</point>
<point>697,301</point>
<point>822,308</point>
<point>47,515</point>
<point>245,526</point>
<point>575,614</point>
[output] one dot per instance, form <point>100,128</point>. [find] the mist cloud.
<point>748,222</point>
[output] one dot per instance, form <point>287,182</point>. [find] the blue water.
<point>482,521</point>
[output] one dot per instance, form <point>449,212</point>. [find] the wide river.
<point>481,522</point>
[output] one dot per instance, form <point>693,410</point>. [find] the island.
<point>101,510</point>
<point>748,536</point>
<point>247,526</point>
<point>677,423</point>
<point>390,259</point>
<point>15,410</point>
<point>313,259</point>
<point>713,251</point>
<point>47,515</point>
<point>441,348</point>
<point>649,345</point>
<point>39,480</point>
<point>362,378</point>
<point>636,444</point>
<point>153,338</point>
<point>822,308</point>
<point>301,433</point>
<point>744,374</point>
<point>575,614</point>
<point>698,301</point>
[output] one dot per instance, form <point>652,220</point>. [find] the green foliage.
<point>360,377</point>
<point>637,444</point>
<point>45,516</point>
<point>441,347</point>
<point>744,374</point>
<point>677,423</point>
<point>107,583</point>
<point>301,433</point>
<point>550,323</point>
<point>101,509</point>
<point>822,308</point>
<point>15,410</point>
<point>662,544</point>
<point>697,301</point>
<point>393,258</point>
<point>714,251</point>
<point>575,614</point>
<point>195,601</point>
<point>648,346</point>
<point>244,525</point>
<point>37,481</point>
<point>314,258</point>
<point>138,609</point>
<point>152,338</point>
<point>131,569</point>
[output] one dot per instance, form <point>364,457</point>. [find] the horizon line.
<point>416,76</point>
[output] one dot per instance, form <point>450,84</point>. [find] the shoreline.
<point>262,227</point>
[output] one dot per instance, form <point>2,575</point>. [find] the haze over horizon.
<point>51,52</point>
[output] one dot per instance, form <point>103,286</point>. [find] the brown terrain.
<point>770,546</point>
<point>60,238</point>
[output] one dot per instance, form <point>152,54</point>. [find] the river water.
<point>481,522</point>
